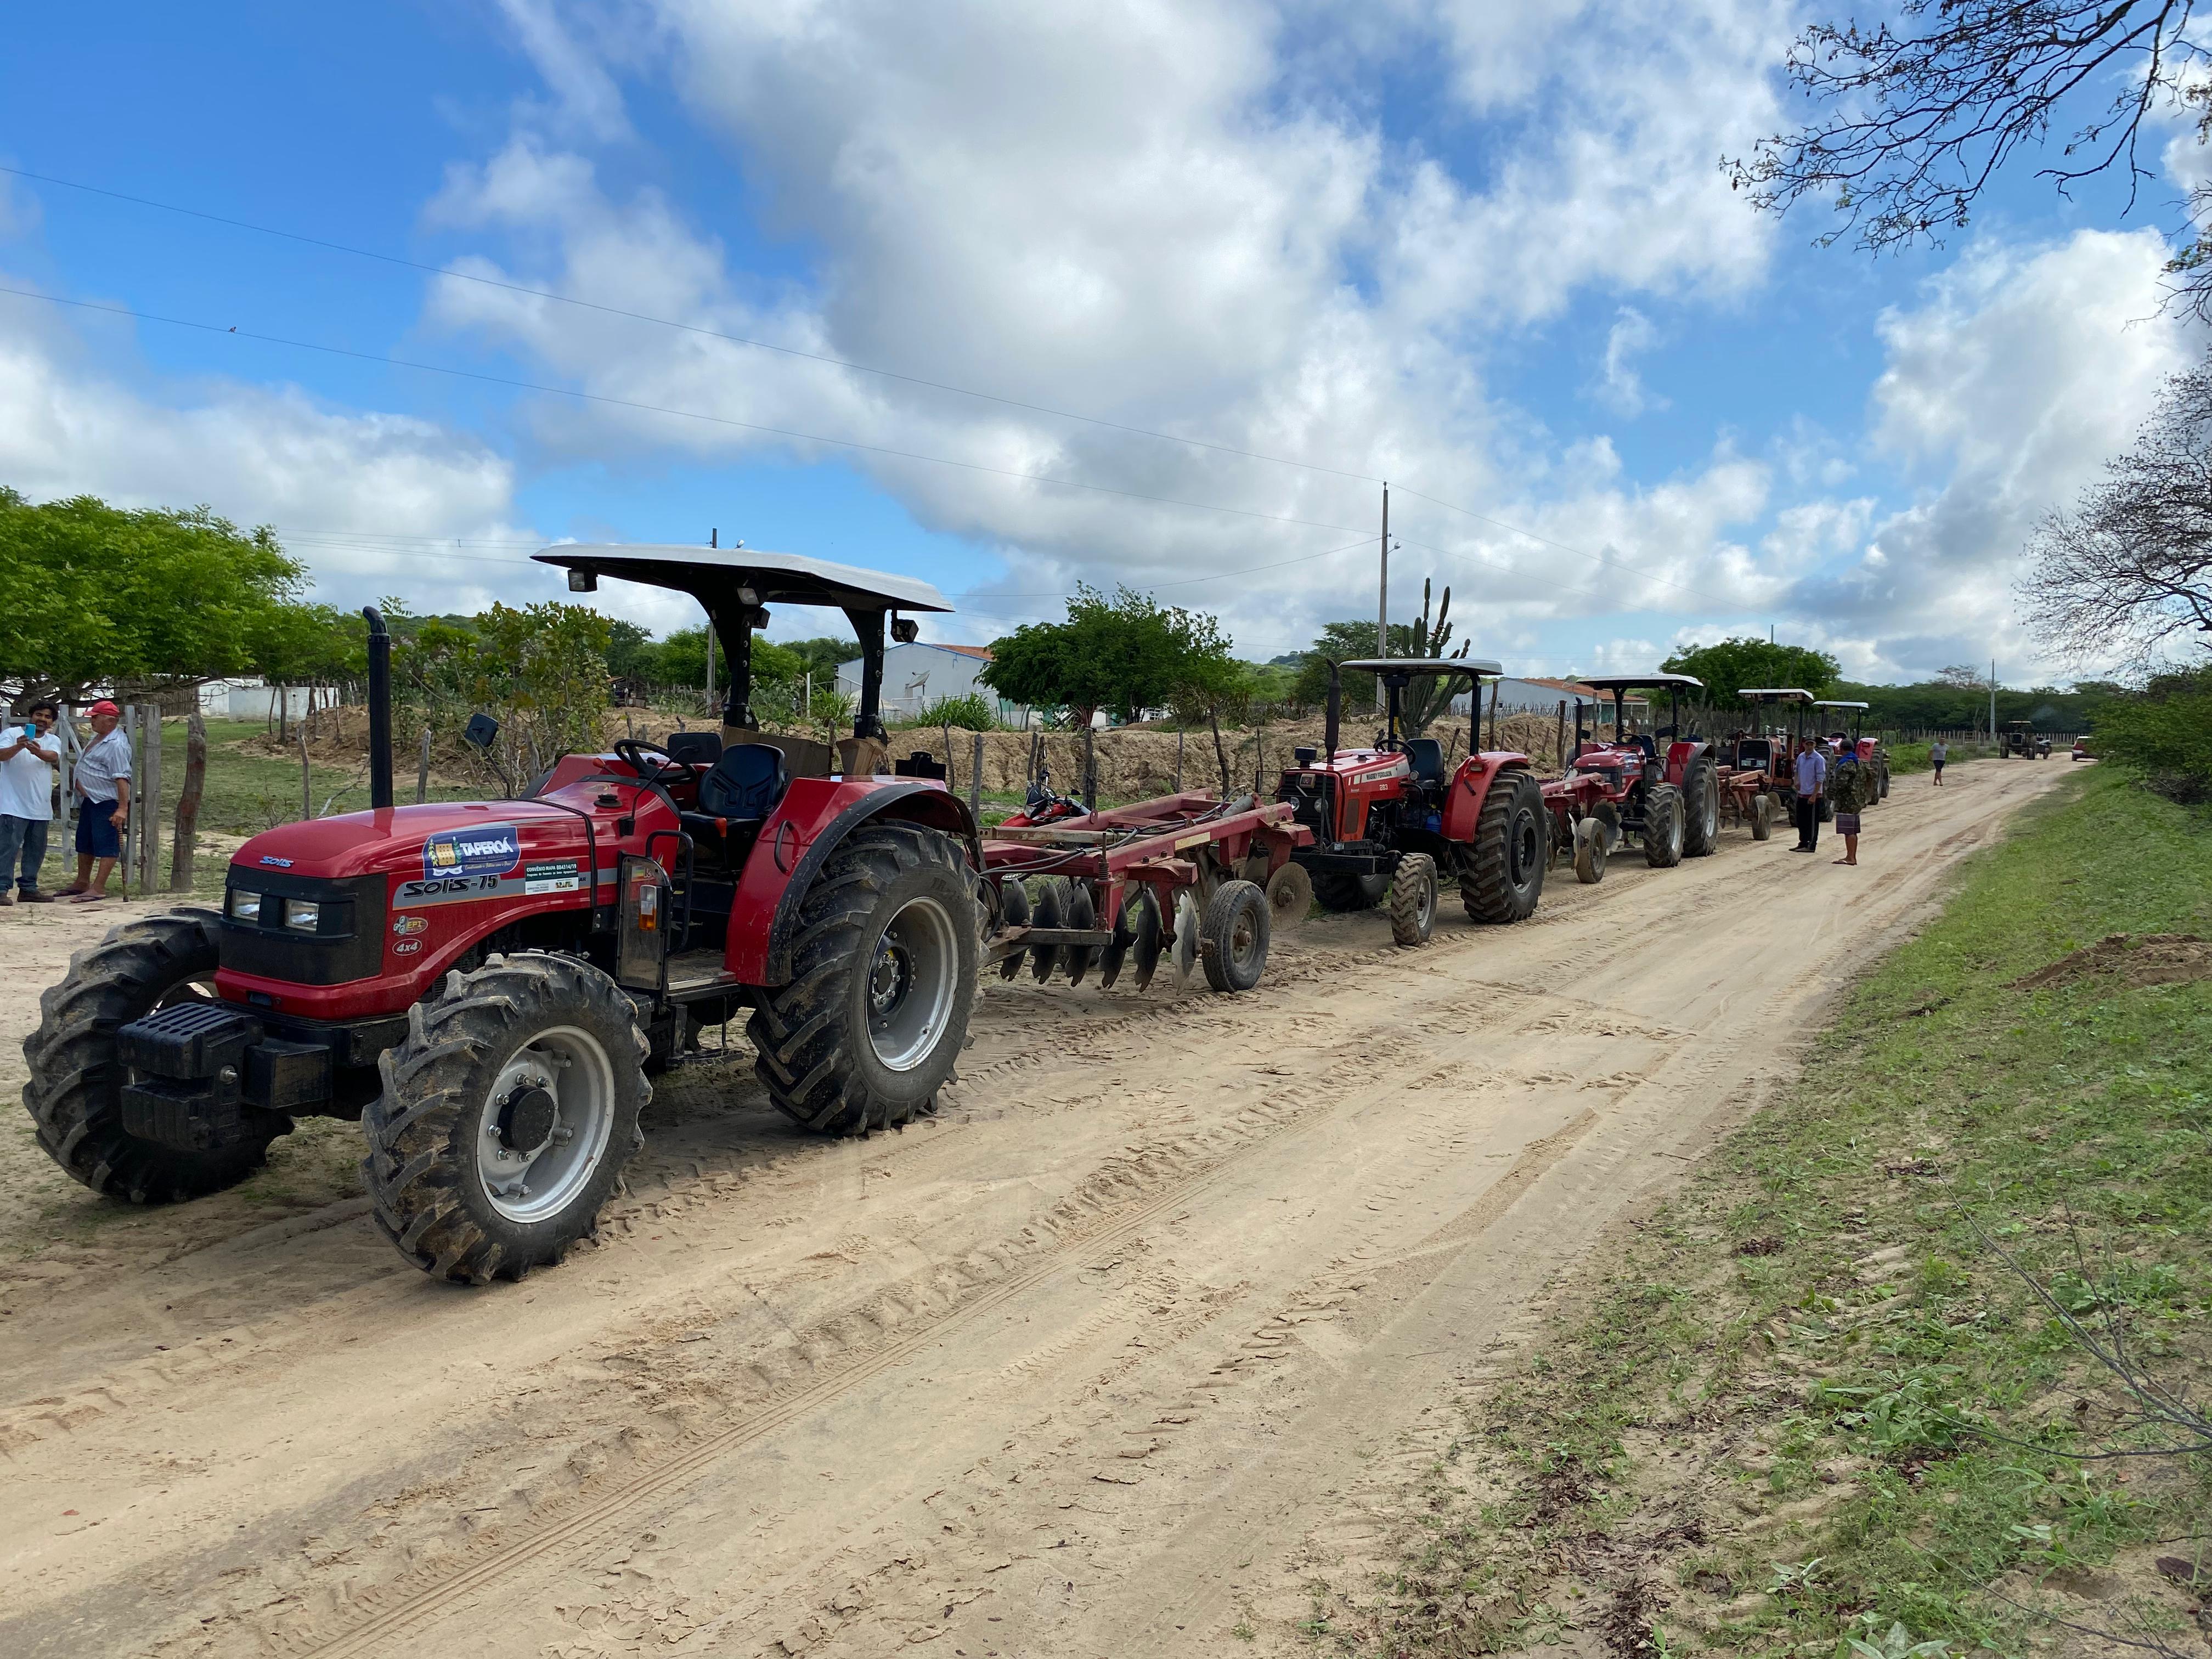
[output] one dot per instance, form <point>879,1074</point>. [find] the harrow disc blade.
<point>1081,913</point>
<point>1015,906</point>
<point>1186,938</point>
<point>1043,957</point>
<point>1143,920</point>
<point>1290,896</point>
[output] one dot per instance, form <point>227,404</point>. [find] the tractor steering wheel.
<point>640,752</point>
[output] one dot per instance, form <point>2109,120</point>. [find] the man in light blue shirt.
<point>1812,778</point>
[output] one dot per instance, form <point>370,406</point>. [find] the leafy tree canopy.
<point>1124,654</point>
<point>1730,664</point>
<point>91,594</point>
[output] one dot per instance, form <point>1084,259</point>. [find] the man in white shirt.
<point>29,752</point>
<point>101,778</point>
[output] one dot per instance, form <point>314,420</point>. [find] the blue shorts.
<point>96,833</point>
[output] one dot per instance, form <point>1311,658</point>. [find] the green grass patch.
<point>1811,1403</point>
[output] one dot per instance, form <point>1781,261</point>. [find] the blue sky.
<point>1486,254</point>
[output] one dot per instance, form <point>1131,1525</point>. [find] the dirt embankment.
<point>1132,761</point>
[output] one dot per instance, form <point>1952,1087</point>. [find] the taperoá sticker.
<point>482,849</point>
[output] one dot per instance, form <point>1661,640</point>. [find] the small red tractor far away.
<point>1661,786</point>
<point>1844,720</point>
<point>1388,820</point>
<point>1759,764</point>
<point>486,985</point>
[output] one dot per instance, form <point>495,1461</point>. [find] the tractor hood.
<point>439,839</point>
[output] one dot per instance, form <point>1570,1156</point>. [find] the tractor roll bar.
<point>1397,672</point>
<point>380,709</point>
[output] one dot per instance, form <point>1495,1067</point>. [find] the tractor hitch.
<point>203,1075</point>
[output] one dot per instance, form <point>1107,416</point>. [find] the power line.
<point>837,362</point>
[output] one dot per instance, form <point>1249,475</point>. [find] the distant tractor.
<point>1870,750</point>
<point>1663,787</point>
<point>1762,762</point>
<point>1388,821</point>
<point>2018,739</point>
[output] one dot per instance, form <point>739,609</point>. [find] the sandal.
<point>88,899</point>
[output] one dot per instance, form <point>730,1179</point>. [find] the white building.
<point>919,674</point>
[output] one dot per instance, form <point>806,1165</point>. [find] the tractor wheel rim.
<point>1244,937</point>
<point>1527,850</point>
<point>911,977</point>
<point>1426,907</point>
<point>537,1181</point>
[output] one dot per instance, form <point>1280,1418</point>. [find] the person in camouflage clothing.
<point>1851,787</point>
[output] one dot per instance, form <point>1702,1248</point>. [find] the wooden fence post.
<point>422,770</point>
<point>975,780</point>
<point>1090,769</point>
<point>306,779</point>
<point>1563,737</point>
<point>1178,760</point>
<point>188,805</point>
<point>143,849</point>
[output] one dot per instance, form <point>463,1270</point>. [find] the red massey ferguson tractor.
<point>486,985</point>
<point>1387,820</point>
<point>1662,787</point>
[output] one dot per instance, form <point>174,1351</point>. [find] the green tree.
<point>144,598</point>
<point>1125,654</point>
<point>1729,665</point>
<point>1346,641</point>
<point>631,654</point>
<point>540,671</point>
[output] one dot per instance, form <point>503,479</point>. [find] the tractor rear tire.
<point>1589,851</point>
<point>1701,806</point>
<point>75,1094</point>
<point>1413,900</point>
<point>495,1065</point>
<point>1663,826</point>
<point>1233,936</point>
<point>1504,875</point>
<point>1885,782</point>
<point>1340,892</point>
<point>1762,816</point>
<point>882,978</point>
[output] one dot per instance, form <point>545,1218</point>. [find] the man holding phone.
<point>101,778</point>
<point>29,753</point>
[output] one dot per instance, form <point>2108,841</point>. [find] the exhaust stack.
<point>380,709</point>
<point>1335,710</point>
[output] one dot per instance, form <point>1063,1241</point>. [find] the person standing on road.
<point>101,778</point>
<point>1937,754</point>
<point>29,753</point>
<point>1811,774</point>
<point>1850,787</point>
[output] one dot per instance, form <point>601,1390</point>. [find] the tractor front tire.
<point>882,978</point>
<point>75,1094</point>
<point>1340,892</point>
<point>507,1113</point>
<point>1504,876</point>
<point>1663,827</point>
<point>1413,900</point>
<point>1701,805</point>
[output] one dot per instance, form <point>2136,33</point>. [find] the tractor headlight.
<point>303,915</point>
<point>245,906</point>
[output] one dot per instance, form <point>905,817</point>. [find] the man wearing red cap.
<point>101,779</point>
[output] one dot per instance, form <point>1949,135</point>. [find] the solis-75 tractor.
<point>486,985</point>
<point>1388,819</point>
<point>1661,786</point>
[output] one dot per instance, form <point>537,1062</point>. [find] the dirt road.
<point>1091,1364</point>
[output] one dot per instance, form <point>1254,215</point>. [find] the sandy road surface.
<point>1089,1364</point>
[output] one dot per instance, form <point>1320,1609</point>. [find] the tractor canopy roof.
<point>1653,681</point>
<point>716,573</point>
<point>1476,667</point>
<point>1838,702</point>
<point>1779,693</point>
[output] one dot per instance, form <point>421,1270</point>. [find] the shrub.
<point>2163,735</point>
<point>972,713</point>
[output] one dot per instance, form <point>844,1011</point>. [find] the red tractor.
<point>486,986</point>
<point>1869,750</point>
<point>1759,766</point>
<point>1387,820</point>
<point>1662,787</point>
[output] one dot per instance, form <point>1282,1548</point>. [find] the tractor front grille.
<point>347,940</point>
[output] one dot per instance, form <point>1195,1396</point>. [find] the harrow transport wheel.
<point>1341,892</point>
<point>1233,939</point>
<point>1589,851</point>
<point>884,977</point>
<point>1701,809</point>
<point>507,1113</point>
<point>75,1094</point>
<point>1413,900</point>
<point>1290,896</point>
<point>1762,816</point>
<point>1663,827</point>
<point>1504,876</point>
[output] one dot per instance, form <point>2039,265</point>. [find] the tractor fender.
<point>1470,787</point>
<point>1679,755</point>
<point>812,820</point>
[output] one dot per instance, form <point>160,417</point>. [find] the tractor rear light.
<point>245,906</point>
<point>303,915</point>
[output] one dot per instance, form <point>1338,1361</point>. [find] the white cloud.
<point>1622,387</point>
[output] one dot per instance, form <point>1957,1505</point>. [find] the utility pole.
<point>713,539</point>
<point>1382,605</point>
<point>1993,699</point>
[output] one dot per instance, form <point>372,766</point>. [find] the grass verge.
<point>1808,1409</point>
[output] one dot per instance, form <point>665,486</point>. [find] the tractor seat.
<point>1425,756</point>
<point>740,789</point>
